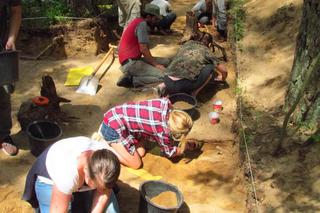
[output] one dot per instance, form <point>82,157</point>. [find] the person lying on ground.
<point>76,164</point>
<point>137,70</point>
<point>193,67</point>
<point>203,11</point>
<point>168,17</point>
<point>126,127</point>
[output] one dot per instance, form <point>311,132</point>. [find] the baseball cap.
<point>152,9</point>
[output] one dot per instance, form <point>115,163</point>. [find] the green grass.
<point>238,16</point>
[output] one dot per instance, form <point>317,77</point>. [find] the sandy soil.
<point>289,182</point>
<point>211,182</point>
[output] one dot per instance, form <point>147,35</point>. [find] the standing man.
<point>219,17</point>
<point>128,10</point>
<point>139,71</point>
<point>8,34</point>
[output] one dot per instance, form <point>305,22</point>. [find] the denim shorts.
<point>109,134</point>
<point>44,193</point>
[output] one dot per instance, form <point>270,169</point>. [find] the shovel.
<point>89,84</point>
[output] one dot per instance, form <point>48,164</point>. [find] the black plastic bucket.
<point>192,101</point>
<point>150,189</point>
<point>42,134</point>
<point>9,67</point>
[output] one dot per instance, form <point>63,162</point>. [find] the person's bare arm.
<point>100,201</point>
<point>222,72</point>
<point>149,58</point>
<point>214,23</point>
<point>15,22</point>
<point>59,201</point>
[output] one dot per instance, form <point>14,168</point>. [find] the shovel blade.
<point>88,85</point>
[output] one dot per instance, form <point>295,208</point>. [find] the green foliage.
<point>52,10</point>
<point>238,16</point>
<point>316,137</point>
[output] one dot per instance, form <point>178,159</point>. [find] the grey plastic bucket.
<point>42,134</point>
<point>150,189</point>
<point>185,98</point>
<point>9,67</point>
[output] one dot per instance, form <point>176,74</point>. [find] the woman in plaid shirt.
<point>124,124</point>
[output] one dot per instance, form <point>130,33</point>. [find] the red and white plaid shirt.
<point>142,119</point>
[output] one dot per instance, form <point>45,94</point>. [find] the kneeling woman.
<point>124,125</point>
<point>73,165</point>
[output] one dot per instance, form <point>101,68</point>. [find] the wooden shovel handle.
<point>103,60</point>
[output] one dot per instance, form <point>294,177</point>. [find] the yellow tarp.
<point>76,74</point>
<point>143,174</point>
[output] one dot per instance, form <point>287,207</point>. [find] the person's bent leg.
<point>164,61</point>
<point>43,194</point>
<point>5,113</point>
<point>204,20</point>
<point>177,86</point>
<point>144,74</point>
<point>203,79</point>
<point>6,143</point>
<point>166,21</point>
<point>171,17</point>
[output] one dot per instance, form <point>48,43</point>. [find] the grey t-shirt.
<point>142,33</point>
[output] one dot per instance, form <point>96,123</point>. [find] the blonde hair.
<point>180,124</point>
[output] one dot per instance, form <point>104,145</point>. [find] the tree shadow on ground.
<point>293,175</point>
<point>210,90</point>
<point>128,198</point>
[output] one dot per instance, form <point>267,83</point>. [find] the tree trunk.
<point>307,111</point>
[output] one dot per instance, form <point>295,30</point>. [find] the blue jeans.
<point>108,133</point>
<point>166,21</point>
<point>44,192</point>
<point>188,86</point>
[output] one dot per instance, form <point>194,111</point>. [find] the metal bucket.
<point>9,67</point>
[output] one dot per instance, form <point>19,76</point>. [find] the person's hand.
<point>193,146</point>
<point>160,66</point>
<point>10,45</point>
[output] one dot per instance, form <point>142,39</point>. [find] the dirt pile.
<point>79,38</point>
<point>166,199</point>
<point>285,183</point>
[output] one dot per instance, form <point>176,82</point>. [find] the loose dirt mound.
<point>289,183</point>
<point>80,38</point>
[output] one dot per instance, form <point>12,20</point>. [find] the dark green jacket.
<point>190,59</point>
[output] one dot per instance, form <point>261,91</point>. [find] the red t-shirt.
<point>129,44</point>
